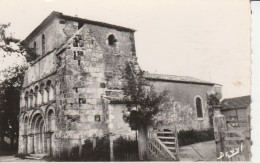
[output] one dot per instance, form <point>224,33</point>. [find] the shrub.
<point>194,136</point>
<point>125,149</point>
<point>100,153</point>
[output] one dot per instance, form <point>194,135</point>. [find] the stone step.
<point>163,137</point>
<point>167,142</point>
<point>37,156</point>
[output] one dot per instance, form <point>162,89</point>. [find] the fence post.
<point>69,146</point>
<point>219,125</point>
<point>80,146</point>
<point>176,144</point>
<point>111,140</point>
<point>94,141</point>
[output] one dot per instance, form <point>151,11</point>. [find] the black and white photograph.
<point>127,80</point>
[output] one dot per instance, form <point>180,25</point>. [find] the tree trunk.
<point>142,142</point>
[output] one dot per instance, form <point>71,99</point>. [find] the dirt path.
<point>16,159</point>
<point>207,150</point>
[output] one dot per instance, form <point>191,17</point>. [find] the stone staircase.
<point>39,156</point>
<point>163,146</point>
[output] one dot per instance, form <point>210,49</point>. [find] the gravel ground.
<point>207,150</point>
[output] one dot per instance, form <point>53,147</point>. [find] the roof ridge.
<point>181,78</point>
<point>55,14</point>
<point>236,97</point>
<point>174,75</point>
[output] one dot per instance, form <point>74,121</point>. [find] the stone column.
<point>25,144</point>
<point>48,142</point>
<point>29,103</point>
<point>40,142</point>
<point>36,143</point>
<point>30,144</point>
<point>43,143</point>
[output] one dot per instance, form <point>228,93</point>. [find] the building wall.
<point>56,34</point>
<point>94,71</point>
<point>79,75</point>
<point>181,106</point>
<point>86,69</point>
<point>114,57</point>
<point>116,124</point>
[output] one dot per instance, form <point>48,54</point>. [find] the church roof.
<point>237,102</point>
<point>175,78</point>
<point>55,14</point>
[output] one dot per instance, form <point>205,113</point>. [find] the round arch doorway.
<point>38,138</point>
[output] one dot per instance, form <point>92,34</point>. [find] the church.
<point>73,90</point>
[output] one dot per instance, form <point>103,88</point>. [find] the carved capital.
<point>24,136</point>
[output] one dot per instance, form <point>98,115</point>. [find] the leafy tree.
<point>14,60</point>
<point>143,106</point>
<point>213,100</point>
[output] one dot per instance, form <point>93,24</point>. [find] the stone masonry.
<point>68,92</point>
<point>62,92</point>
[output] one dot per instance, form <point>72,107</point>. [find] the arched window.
<point>26,100</point>
<point>34,47</point>
<point>199,107</point>
<point>43,44</point>
<point>36,89</point>
<point>111,40</point>
<point>31,98</point>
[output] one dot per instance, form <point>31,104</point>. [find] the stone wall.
<point>81,67</point>
<point>56,34</point>
<point>89,68</point>
<point>114,57</point>
<point>117,126</point>
<point>181,106</point>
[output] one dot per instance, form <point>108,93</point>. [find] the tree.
<point>213,100</point>
<point>14,58</point>
<point>144,104</point>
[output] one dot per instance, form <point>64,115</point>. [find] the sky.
<point>205,39</point>
<point>255,112</point>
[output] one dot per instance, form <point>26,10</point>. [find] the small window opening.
<point>199,107</point>
<point>102,85</point>
<point>76,90</point>
<point>34,47</point>
<point>82,101</point>
<point>76,42</point>
<point>79,62</point>
<point>97,118</point>
<point>43,44</point>
<point>112,40</point>
<point>62,21</point>
<point>80,53</point>
<point>75,55</point>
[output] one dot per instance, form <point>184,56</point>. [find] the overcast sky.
<point>206,39</point>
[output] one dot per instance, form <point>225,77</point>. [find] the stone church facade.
<point>73,90</point>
